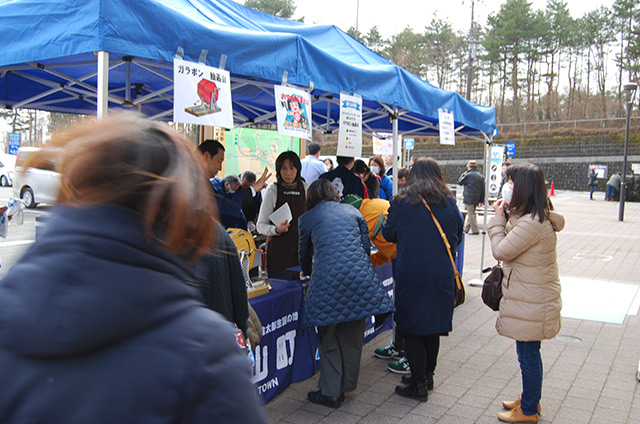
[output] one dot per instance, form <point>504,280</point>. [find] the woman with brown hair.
<point>343,291</point>
<point>523,237</point>
<point>424,295</point>
<point>371,181</point>
<point>282,241</point>
<point>386,185</point>
<point>101,310</point>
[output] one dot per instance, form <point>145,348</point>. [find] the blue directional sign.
<point>14,143</point>
<point>409,143</point>
<point>511,149</point>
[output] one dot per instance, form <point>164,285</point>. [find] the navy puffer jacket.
<point>334,250</point>
<point>98,325</point>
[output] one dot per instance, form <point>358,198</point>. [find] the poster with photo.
<point>350,133</point>
<point>201,94</point>
<point>293,111</point>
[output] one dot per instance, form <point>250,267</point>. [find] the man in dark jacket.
<point>229,199</point>
<point>250,204</point>
<point>212,152</point>
<point>220,273</point>
<point>343,179</point>
<point>473,183</point>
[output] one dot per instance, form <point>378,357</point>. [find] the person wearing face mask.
<point>526,241</point>
<point>229,201</point>
<point>370,180</point>
<point>282,237</point>
<point>386,186</point>
<point>504,179</point>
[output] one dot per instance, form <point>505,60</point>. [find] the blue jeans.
<point>531,369</point>
<point>593,188</point>
<point>611,192</point>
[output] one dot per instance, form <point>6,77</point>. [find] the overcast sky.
<point>392,16</point>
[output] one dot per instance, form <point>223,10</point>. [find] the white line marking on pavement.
<point>15,243</point>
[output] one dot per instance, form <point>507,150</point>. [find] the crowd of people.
<point>122,319</point>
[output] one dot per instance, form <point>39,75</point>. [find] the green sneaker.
<point>389,352</point>
<point>400,367</point>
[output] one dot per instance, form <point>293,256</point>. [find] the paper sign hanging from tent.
<point>447,132</point>
<point>383,145</point>
<point>350,133</point>
<point>293,111</point>
<point>202,94</point>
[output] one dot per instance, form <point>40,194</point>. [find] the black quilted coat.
<point>334,249</point>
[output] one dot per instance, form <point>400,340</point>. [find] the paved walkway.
<point>590,370</point>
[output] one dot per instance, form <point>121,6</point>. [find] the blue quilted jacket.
<point>334,251</point>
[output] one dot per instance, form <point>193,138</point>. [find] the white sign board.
<point>495,170</point>
<point>202,94</point>
<point>445,125</point>
<point>293,111</point>
<point>350,133</point>
<point>382,144</point>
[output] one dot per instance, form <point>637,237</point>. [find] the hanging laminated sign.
<point>495,170</point>
<point>202,94</point>
<point>382,144</point>
<point>350,134</point>
<point>293,111</point>
<point>447,132</point>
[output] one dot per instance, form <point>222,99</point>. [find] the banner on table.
<point>350,133</point>
<point>445,125</point>
<point>201,94</point>
<point>293,111</point>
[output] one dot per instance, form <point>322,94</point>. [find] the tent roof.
<point>48,62</point>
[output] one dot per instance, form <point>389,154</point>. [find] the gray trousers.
<point>471,224</point>
<point>340,348</point>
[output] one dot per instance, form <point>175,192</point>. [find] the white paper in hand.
<point>283,213</point>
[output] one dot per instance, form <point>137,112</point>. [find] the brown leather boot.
<point>516,415</point>
<point>510,404</point>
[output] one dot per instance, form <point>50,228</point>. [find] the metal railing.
<point>575,123</point>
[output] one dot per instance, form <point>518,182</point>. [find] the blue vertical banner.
<point>13,143</point>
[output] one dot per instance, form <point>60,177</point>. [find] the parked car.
<point>38,184</point>
<point>7,166</point>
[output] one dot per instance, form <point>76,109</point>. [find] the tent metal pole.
<point>103,84</point>
<point>395,149</point>
<point>487,157</point>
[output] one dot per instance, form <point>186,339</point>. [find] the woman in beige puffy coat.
<point>524,239</point>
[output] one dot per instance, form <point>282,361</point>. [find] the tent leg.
<point>395,150</point>
<point>103,84</point>
<point>487,158</point>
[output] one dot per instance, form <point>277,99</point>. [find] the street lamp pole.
<point>630,92</point>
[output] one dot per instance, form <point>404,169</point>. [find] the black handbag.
<point>492,288</point>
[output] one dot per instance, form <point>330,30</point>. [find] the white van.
<point>7,166</point>
<point>36,184</point>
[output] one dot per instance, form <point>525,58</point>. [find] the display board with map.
<point>251,148</point>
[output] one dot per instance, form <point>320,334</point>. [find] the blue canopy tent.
<point>92,55</point>
<point>51,51</point>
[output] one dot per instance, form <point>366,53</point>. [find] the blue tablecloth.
<point>286,353</point>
